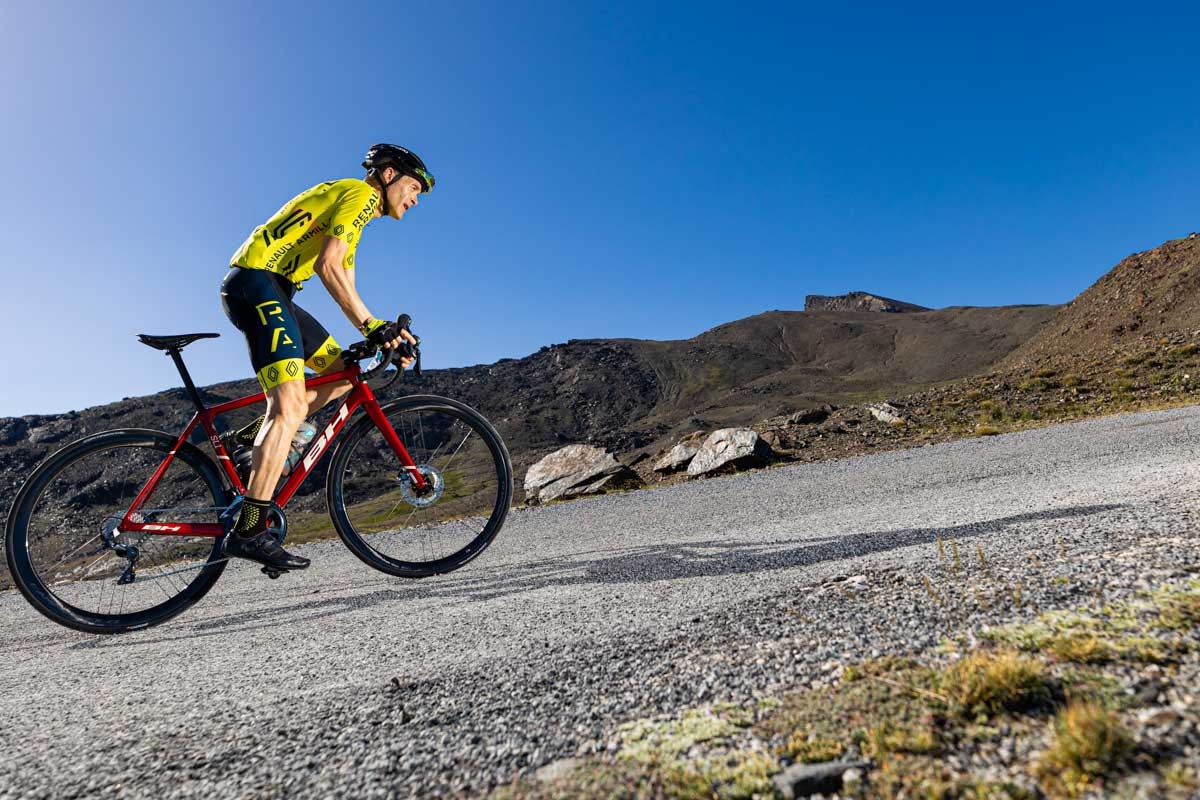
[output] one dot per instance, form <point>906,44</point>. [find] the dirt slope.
<point>1148,294</point>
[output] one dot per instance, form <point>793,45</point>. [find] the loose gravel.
<point>343,682</point>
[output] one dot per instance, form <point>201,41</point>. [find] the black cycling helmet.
<point>404,160</point>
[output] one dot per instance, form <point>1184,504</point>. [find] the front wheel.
<point>69,556</point>
<point>399,531</point>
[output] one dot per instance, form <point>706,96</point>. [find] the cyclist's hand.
<point>405,363</point>
<point>390,335</point>
<point>382,333</point>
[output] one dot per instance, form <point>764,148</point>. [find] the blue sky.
<point>644,170</point>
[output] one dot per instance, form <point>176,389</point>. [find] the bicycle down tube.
<point>360,396</point>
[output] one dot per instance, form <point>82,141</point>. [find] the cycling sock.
<point>248,434</point>
<point>252,518</point>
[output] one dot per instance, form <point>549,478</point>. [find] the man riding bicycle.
<point>315,233</point>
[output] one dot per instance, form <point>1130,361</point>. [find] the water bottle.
<point>304,435</point>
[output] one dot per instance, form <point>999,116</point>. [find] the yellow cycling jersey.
<point>289,242</point>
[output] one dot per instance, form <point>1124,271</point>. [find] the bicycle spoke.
<point>76,550</point>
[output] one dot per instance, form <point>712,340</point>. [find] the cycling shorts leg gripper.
<point>325,358</point>
<point>282,371</point>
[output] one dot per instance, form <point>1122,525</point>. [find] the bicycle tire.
<point>357,540</point>
<point>25,504</point>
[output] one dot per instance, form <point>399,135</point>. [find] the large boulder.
<point>736,448</point>
<point>576,469</point>
<point>678,456</point>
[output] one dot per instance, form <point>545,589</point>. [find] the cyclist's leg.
<point>322,355</point>
<point>254,302</point>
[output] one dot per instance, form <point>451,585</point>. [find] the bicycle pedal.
<point>272,573</point>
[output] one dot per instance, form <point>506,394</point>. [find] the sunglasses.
<point>425,178</point>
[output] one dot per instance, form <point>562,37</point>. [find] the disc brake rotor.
<point>435,487</point>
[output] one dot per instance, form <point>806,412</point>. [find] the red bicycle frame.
<point>360,396</point>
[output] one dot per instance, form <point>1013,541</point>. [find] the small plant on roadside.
<point>1179,607</point>
<point>812,749</point>
<point>1090,744</point>
<point>1080,648</point>
<point>994,682</point>
<point>1181,778</point>
<point>989,410</point>
<point>1185,351</point>
<point>986,430</point>
<point>885,738</point>
<point>932,592</point>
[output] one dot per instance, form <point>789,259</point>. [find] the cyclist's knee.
<point>287,402</point>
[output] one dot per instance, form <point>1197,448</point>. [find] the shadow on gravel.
<point>646,564</point>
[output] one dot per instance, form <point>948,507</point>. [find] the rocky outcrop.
<point>678,456</point>
<point>886,413</point>
<point>574,470</point>
<point>788,431</point>
<point>859,301</point>
<point>729,448</point>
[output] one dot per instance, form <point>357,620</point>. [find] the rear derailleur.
<point>127,551</point>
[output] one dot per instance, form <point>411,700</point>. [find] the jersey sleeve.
<point>351,213</point>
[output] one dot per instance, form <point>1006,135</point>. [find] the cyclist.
<point>315,233</point>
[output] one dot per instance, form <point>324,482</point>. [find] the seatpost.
<point>187,379</point>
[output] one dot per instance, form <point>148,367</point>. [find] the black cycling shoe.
<point>265,550</point>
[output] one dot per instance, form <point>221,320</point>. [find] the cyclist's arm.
<point>339,280</point>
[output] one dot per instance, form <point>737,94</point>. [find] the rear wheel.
<point>70,558</point>
<point>397,530</point>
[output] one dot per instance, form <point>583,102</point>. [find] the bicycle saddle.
<point>177,342</point>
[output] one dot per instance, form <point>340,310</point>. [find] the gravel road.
<point>344,682</point>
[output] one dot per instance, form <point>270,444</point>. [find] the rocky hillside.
<point>631,394</point>
<point>1148,294</point>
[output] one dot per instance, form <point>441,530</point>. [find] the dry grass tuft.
<point>1090,744</point>
<point>1082,648</point>
<point>994,682</point>
<point>1179,608</point>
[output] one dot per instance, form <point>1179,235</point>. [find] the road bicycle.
<point>125,529</point>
